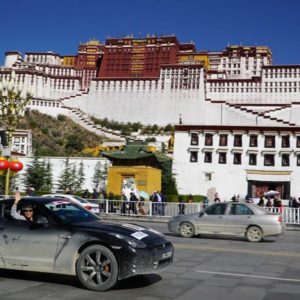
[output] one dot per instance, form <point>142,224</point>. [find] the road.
<point>203,268</point>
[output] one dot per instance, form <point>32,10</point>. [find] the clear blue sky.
<point>60,25</point>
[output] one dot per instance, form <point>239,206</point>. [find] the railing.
<point>170,209</point>
<point>167,210</point>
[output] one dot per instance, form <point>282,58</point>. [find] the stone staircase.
<point>276,113</point>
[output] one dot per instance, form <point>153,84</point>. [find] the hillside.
<point>57,136</point>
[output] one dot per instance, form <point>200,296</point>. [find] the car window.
<point>216,209</point>
<point>69,212</point>
<point>80,199</point>
<point>240,209</point>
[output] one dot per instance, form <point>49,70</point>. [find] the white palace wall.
<point>58,166</point>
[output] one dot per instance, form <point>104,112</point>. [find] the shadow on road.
<point>217,237</point>
<point>138,281</point>
<point>135,282</point>
<point>40,277</point>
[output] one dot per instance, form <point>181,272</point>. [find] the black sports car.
<point>66,238</point>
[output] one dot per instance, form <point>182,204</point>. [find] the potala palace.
<point>238,129</point>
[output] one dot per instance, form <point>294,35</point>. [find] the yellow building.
<point>146,178</point>
<point>69,60</point>
<point>194,58</point>
<point>137,162</point>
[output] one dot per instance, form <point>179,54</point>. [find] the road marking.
<point>234,250</point>
<point>247,275</point>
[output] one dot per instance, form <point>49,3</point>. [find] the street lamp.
<point>13,101</point>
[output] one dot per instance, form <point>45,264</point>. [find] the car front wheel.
<point>254,234</point>
<point>97,268</point>
<point>186,229</point>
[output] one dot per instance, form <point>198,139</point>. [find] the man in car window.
<point>26,213</point>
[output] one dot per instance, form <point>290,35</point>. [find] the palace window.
<point>298,142</point>
<point>208,139</point>
<point>208,176</point>
<point>285,141</point>
<point>207,157</point>
<point>223,140</point>
<point>193,156</point>
<point>285,161</point>
<point>194,139</point>
<point>269,160</point>
<point>298,160</point>
<point>237,158</point>
<point>252,159</point>
<point>237,142</point>
<point>270,141</point>
<point>253,140</point>
<point>222,158</point>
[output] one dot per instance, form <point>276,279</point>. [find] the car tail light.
<point>280,219</point>
<point>88,207</point>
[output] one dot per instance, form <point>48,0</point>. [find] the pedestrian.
<point>133,200</point>
<point>190,198</point>
<point>141,206</point>
<point>269,203</point>
<point>205,202</point>
<point>95,194</point>
<point>111,203</point>
<point>181,205</point>
<point>261,202</point>
<point>155,199</point>
<point>124,205</point>
<point>233,198</point>
<point>217,198</point>
<point>163,203</point>
<point>86,194</point>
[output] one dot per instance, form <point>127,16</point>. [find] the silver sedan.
<point>229,219</point>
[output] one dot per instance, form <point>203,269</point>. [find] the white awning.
<point>268,177</point>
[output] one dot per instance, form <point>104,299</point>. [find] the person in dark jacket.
<point>181,205</point>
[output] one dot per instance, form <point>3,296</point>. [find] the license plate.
<point>166,255</point>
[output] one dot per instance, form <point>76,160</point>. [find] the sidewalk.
<point>154,219</point>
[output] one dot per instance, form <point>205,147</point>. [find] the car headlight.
<point>132,242</point>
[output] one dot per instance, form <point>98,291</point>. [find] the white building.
<point>243,160</point>
<point>21,142</point>
<point>236,92</point>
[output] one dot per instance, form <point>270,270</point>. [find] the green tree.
<point>48,177</point>
<point>100,175</point>
<point>79,178</point>
<point>65,180</point>
<point>73,179</point>
<point>74,143</point>
<point>168,181</point>
<point>35,174</point>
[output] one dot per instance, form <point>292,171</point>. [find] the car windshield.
<point>69,212</point>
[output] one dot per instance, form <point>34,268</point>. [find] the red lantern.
<point>4,164</point>
<point>15,166</point>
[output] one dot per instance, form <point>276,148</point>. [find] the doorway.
<point>258,188</point>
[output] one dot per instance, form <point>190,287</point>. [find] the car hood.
<point>141,233</point>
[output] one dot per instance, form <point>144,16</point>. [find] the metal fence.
<point>170,209</point>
